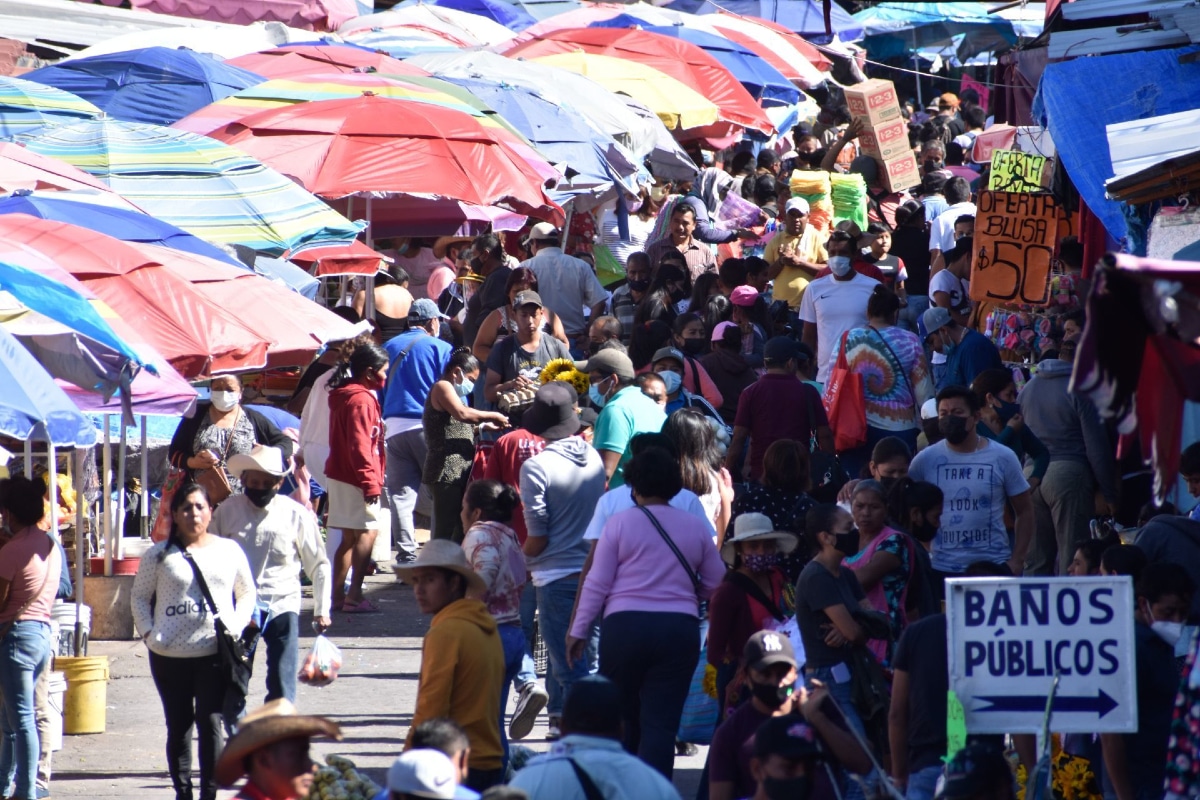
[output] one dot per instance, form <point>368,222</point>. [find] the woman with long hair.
<point>449,425</point>
<point>355,468</point>
<point>670,284</point>
<point>782,494</point>
<point>701,464</point>
<point>502,322</point>
<point>172,616</point>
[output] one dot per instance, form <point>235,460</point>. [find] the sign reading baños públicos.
<point>1008,638</point>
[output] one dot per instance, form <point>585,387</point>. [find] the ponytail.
<point>366,356</point>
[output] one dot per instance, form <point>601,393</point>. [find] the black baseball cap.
<point>779,350</point>
<point>961,248</point>
<point>788,737</point>
<point>767,648</point>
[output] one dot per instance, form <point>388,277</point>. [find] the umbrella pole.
<point>144,497</point>
<point>119,522</point>
<point>52,484</point>
<point>81,549</point>
<point>29,456</point>
<point>369,297</point>
<point>566,231</point>
<point>917,70</point>
<point>106,494</point>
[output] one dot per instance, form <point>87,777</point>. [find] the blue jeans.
<point>512,638</point>
<point>922,784</point>
<point>528,673</point>
<point>24,655</point>
<point>282,638</point>
<point>556,601</point>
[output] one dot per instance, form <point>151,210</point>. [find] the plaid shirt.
<point>699,256</point>
<point>622,306</point>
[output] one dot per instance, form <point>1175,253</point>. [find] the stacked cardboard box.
<point>885,133</point>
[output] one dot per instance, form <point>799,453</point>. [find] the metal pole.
<point>917,69</point>
<point>119,522</point>
<point>369,296</point>
<point>81,548</point>
<point>144,499</point>
<point>52,484</point>
<point>29,454</point>
<point>106,497</point>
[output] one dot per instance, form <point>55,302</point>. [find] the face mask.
<point>465,388</point>
<point>947,346</point>
<point>225,401</point>
<point>1169,632</point>
<point>772,697</point>
<point>760,562</point>
<point>847,543</point>
<point>639,286</point>
<point>839,266</point>
<point>673,380</point>
<point>695,347</point>
<point>924,532</point>
<point>598,400</point>
<point>1007,411</point>
<point>953,429</point>
<point>678,294</point>
<point>887,484</point>
<point>788,788</point>
<point>260,497</point>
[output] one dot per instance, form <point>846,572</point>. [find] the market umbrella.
<point>507,14</point>
<point>128,226</point>
<point>196,183</point>
<point>155,84</point>
<point>804,17</point>
<point>677,105</point>
<point>21,168</point>
<point>370,144</point>
<point>461,27</point>
<point>404,42</point>
<point>352,259</point>
<point>795,57</point>
<point>196,337</point>
<point>682,60</point>
<point>541,9</point>
<point>589,14</point>
<point>222,41</point>
<point>25,105</point>
<point>306,59</point>
<point>897,29</point>
<point>32,404</point>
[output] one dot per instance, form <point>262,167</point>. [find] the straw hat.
<point>444,554</point>
<point>272,722</point>
<point>752,527</point>
<point>443,242</point>
<point>261,458</point>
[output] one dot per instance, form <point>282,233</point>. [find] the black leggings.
<point>192,691</point>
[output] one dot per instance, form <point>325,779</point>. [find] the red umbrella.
<point>680,59</point>
<point>197,337</point>
<point>385,146</point>
<point>354,258</point>
<point>309,59</point>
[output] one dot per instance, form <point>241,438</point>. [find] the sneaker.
<point>530,703</point>
<point>686,749</point>
<point>554,729</point>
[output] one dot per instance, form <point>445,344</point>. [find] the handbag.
<point>214,480</point>
<point>161,530</point>
<point>845,404</point>
<point>235,654</point>
<point>828,476</point>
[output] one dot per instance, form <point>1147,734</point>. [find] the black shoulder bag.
<point>235,653</point>
<point>674,549</point>
<point>590,790</point>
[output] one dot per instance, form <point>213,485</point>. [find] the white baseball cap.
<point>427,773</point>
<point>796,204</point>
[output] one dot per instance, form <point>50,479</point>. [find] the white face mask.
<point>224,400</point>
<point>839,265</point>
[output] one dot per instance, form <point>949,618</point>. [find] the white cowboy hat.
<point>261,458</point>
<point>751,527</point>
<point>444,554</point>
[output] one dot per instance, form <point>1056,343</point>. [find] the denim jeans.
<point>405,460</point>
<point>922,784</point>
<point>843,694</point>
<point>556,601</point>
<point>24,655</point>
<point>282,638</point>
<point>651,657</point>
<point>528,672</point>
<point>512,638</point>
<point>917,304</point>
<point>192,691</point>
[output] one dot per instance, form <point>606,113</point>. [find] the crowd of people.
<point>649,481</point>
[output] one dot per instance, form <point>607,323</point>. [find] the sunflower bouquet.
<point>1071,776</point>
<point>564,369</point>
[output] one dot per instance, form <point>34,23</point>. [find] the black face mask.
<point>888,484</point>
<point>678,294</point>
<point>695,347</point>
<point>924,532</point>
<point>847,543</point>
<point>260,497</point>
<point>953,429</point>
<point>788,788</point>
<point>639,286</point>
<point>771,696</point>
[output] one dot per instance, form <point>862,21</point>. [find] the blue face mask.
<point>839,266</point>
<point>672,379</point>
<point>1007,410</point>
<point>465,388</point>
<point>598,400</point>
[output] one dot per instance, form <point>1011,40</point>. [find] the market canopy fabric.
<point>804,17</point>
<point>319,15</point>
<point>509,15</point>
<point>463,28</point>
<point>32,405</point>
<point>157,85</point>
<point>222,41</point>
<point>898,29</point>
<point>21,168</point>
<point>25,105</point>
<point>197,183</point>
<point>306,59</point>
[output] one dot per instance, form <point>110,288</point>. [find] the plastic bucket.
<point>56,696</point>
<point>87,693</point>
<point>63,614</point>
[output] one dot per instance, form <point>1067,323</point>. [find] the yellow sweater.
<point>462,667</point>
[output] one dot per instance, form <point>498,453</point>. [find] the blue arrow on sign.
<point>1101,704</point>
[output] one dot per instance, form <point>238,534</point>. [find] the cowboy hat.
<point>444,554</point>
<point>272,722</point>
<point>261,458</point>
<point>752,527</point>
<point>443,242</point>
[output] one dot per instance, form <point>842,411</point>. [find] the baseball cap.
<point>719,332</point>
<point>541,231</point>
<point>796,204</point>
<point>593,705</point>
<point>929,409</point>
<point>424,309</point>
<point>934,319</point>
<point>743,296</point>
<point>778,350</point>
<point>664,353</point>
<point>528,298</point>
<point>610,362</point>
<point>788,737</point>
<point>426,773</point>
<point>767,648</point>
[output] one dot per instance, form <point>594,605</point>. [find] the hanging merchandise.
<point>815,187</point>
<point>849,195</point>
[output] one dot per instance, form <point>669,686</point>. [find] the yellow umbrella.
<point>675,103</point>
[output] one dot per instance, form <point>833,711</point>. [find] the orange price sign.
<point>1015,235</point>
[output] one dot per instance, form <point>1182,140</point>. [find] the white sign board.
<point>1009,637</point>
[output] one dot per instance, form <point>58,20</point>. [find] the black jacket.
<point>182,448</point>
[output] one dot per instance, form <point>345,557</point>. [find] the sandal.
<point>365,607</point>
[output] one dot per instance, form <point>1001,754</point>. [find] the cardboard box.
<point>885,141</point>
<point>900,173</point>
<point>873,101</point>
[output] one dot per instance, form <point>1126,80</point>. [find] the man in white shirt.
<point>834,304</point>
<point>941,232</point>
<point>568,283</point>
<point>279,536</point>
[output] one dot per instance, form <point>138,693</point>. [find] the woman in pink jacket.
<point>357,459</point>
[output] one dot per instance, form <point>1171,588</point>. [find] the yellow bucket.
<point>87,693</point>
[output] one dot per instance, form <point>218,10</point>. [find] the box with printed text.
<point>885,141</point>
<point>899,173</point>
<point>873,101</point>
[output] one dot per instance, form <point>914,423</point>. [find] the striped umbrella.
<point>196,183</point>
<point>25,105</point>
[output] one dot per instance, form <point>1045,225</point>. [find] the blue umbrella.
<point>128,226</point>
<point>897,29</point>
<point>32,404</point>
<point>509,15</point>
<point>805,17</point>
<point>767,84</point>
<point>155,84</point>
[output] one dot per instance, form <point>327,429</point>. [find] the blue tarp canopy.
<point>509,15</point>
<point>805,17</point>
<point>155,84</point>
<point>33,405</point>
<point>1077,99</point>
<point>891,30</point>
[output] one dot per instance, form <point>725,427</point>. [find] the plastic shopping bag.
<point>321,664</point>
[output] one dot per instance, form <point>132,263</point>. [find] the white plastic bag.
<point>321,664</point>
